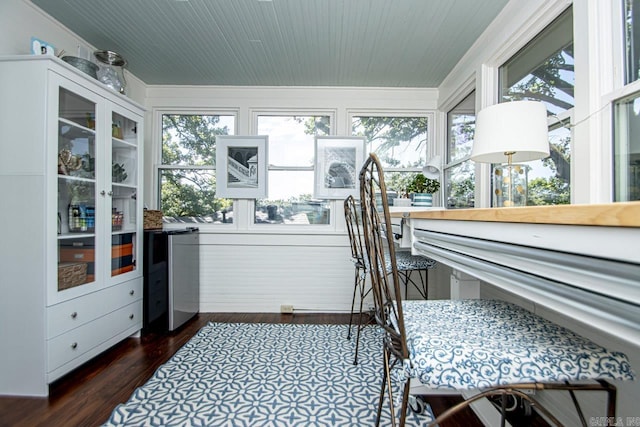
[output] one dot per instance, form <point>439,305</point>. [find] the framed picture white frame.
<point>241,166</point>
<point>338,160</point>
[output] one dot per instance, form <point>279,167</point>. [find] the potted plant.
<point>422,189</point>
<point>399,183</point>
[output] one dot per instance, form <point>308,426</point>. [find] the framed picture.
<point>337,165</point>
<point>241,166</point>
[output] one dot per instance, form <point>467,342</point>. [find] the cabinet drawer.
<point>70,314</point>
<point>73,344</point>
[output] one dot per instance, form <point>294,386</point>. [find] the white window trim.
<point>156,159</point>
<point>462,92</point>
<point>250,205</point>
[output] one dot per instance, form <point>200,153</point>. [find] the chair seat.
<point>406,261</point>
<point>475,344</point>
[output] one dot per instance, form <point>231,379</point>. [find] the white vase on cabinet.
<point>70,182</point>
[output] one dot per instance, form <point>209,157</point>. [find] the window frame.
<point>157,164</point>
<point>455,102</point>
<point>430,115</point>
<point>252,226</point>
<point>554,120</point>
<point>430,145</point>
<point>620,92</point>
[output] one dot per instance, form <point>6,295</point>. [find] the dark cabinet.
<point>156,300</point>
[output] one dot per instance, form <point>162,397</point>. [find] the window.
<point>459,172</point>
<point>186,175</point>
<point>290,182</point>
<point>544,71</point>
<point>626,149</point>
<point>399,142</point>
<point>632,40</point>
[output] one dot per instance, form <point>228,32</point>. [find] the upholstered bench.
<point>484,344</point>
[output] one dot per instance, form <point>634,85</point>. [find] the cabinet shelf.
<point>70,129</point>
<point>121,144</point>
<point>116,185</point>
<point>72,235</point>
<point>73,178</point>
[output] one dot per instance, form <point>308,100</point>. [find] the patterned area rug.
<point>240,374</point>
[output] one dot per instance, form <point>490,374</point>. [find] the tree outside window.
<point>187,179</point>
<point>399,142</point>
<point>544,71</point>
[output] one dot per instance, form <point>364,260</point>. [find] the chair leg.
<point>405,402</point>
<point>362,295</point>
<point>386,381</point>
<point>353,300</point>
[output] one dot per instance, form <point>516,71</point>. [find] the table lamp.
<point>511,132</point>
<point>432,169</point>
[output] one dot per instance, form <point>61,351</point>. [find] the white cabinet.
<point>70,186</point>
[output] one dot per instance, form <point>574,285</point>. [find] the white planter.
<point>403,202</point>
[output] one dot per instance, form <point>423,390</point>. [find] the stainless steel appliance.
<point>183,275</point>
<point>171,277</point>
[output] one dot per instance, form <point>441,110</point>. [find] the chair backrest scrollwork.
<point>354,228</point>
<point>385,284</point>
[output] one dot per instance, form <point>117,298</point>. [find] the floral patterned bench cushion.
<point>475,344</point>
<point>407,262</point>
<point>404,260</point>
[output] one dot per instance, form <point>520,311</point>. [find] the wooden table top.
<point>622,214</point>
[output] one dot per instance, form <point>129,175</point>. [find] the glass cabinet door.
<point>124,179</point>
<point>76,190</point>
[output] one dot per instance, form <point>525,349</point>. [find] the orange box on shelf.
<point>121,270</point>
<point>76,254</point>
<point>118,251</point>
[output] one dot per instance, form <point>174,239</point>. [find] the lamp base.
<point>510,185</point>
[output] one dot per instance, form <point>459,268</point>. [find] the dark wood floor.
<point>86,396</point>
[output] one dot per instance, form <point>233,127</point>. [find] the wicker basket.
<point>71,274</point>
<point>152,219</point>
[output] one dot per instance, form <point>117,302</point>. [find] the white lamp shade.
<point>432,169</point>
<point>519,127</point>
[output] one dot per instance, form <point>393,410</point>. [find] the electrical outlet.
<point>285,308</point>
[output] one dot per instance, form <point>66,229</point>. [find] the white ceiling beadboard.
<point>358,43</point>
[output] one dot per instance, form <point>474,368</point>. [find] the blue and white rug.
<point>242,374</point>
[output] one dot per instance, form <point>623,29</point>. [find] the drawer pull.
<point>131,316</point>
<point>74,314</point>
<point>131,292</point>
<point>74,345</point>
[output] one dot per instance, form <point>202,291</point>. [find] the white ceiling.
<point>360,43</point>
